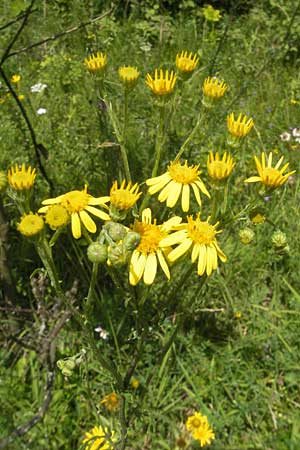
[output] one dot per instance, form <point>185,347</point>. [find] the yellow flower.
<point>96,62</point>
<point>129,76</point>
<point>31,224</point>
<point>270,176</point>
<point>178,180</point>
<point>135,383</point>
<point>57,216</point>
<point>111,402</point>
<point>213,88</point>
<point>199,236</point>
<point>149,252</point>
<point>162,84</point>
<point>21,178</point>
<point>79,204</point>
<point>258,218</point>
<point>219,169</point>
<point>198,426</point>
<point>99,438</point>
<point>246,236</point>
<point>124,197</point>
<point>239,127</point>
<point>21,97</point>
<point>185,63</point>
<point>15,78</point>
<point>211,14</point>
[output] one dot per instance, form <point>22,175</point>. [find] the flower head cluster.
<point>99,438</point>
<point>15,79</point>
<point>146,256</point>
<point>186,63</point>
<point>129,76</point>
<point>271,177</point>
<point>163,83</point>
<point>199,427</point>
<point>178,180</point>
<point>96,62</point>
<point>211,14</point>
<point>219,169</point>
<point>199,237</point>
<point>57,216</point>
<point>78,205</point>
<point>31,224</point>
<point>239,127</point>
<point>111,402</point>
<point>21,179</point>
<point>213,89</point>
<point>39,87</point>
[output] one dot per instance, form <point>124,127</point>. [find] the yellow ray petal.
<point>98,200</point>
<point>150,268</point>
<point>88,222</point>
<point>201,260</point>
<point>75,225</point>
<point>97,212</point>
<point>163,263</point>
<point>185,198</point>
<point>180,250</point>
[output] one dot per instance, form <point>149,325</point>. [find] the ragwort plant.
<point>147,237</point>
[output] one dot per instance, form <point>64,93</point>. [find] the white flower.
<point>102,333</point>
<point>39,87</point>
<point>41,111</point>
<point>285,136</point>
<point>296,132</point>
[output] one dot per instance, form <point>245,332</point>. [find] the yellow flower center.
<point>151,235</point>
<point>183,174</point>
<point>128,73</point>
<point>122,199</point>
<point>200,232</point>
<point>270,174</point>
<point>31,224</point>
<point>196,423</point>
<point>57,216</point>
<point>75,201</point>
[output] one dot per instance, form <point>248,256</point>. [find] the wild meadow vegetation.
<point>149,225</point>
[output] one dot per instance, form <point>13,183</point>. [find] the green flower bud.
<point>97,253</point>
<point>246,236</point>
<point>66,366</point>
<point>279,240</point>
<point>3,180</point>
<point>131,240</point>
<point>116,214</point>
<point>116,256</point>
<point>116,231</point>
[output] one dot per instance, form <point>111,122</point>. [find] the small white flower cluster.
<point>103,334</point>
<point>41,111</point>
<point>39,87</point>
<point>294,135</point>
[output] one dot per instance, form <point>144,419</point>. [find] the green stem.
<point>191,136</point>
<point>93,281</point>
<point>159,140</point>
<point>45,254</point>
<point>215,204</point>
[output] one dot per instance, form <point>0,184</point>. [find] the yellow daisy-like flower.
<point>21,179</point>
<point>124,197</point>
<point>198,426</point>
<point>178,180</point>
<point>99,438</point>
<point>199,236</point>
<point>239,127</point>
<point>149,252</point>
<point>162,84</point>
<point>57,216</point>
<point>15,78</point>
<point>31,224</point>
<point>186,63</point>
<point>214,88</point>
<point>111,402</point>
<point>219,169</point>
<point>211,14</point>
<point>129,76</point>
<point>135,383</point>
<point>96,62</point>
<point>272,177</point>
<point>78,204</point>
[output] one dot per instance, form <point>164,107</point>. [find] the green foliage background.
<point>242,372</point>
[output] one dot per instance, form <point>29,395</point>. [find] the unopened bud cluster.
<point>280,242</point>
<point>114,245</point>
<point>246,236</point>
<point>67,365</point>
